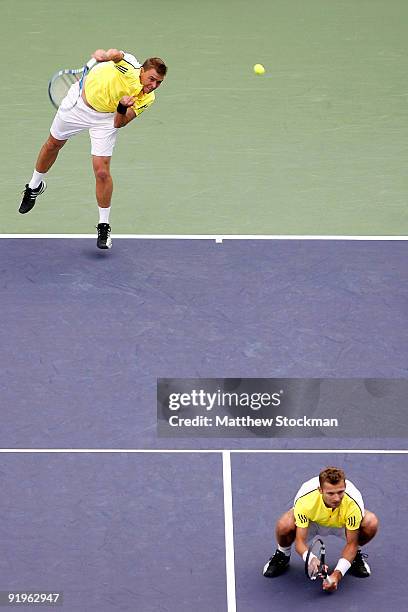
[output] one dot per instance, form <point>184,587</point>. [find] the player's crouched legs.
<point>285,535</point>
<point>367,531</point>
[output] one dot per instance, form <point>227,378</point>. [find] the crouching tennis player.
<point>327,505</point>
<point>116,91</point>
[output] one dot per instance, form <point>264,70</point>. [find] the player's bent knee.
<point>370,522</point>
<point>285,525</point>
<point>53,144</point>
<point>369,525</point>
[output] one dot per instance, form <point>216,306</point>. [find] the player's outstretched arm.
<point>111,55</point>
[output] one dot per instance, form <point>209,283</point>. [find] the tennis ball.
<point>259,69</point>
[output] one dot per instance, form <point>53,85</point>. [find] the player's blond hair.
<point>331,474</point>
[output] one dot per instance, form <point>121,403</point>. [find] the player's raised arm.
<point>111,55</point>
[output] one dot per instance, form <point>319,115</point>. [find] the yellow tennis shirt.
<point>309,506</point>
<point>108,82</point>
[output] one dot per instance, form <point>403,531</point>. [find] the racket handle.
<point>328,580</point>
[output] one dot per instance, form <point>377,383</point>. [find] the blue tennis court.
<point>86,334</point>
<point>115,532</point>
<point>148,531</point>
<point>264,486</point>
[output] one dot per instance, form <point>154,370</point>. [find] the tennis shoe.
<point>104,240</point>
<point>276,565</point>
<point>360,567</point>
<point>29,197</point>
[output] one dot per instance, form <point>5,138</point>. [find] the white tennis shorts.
<point>319,530</point>
<point>70,121</point>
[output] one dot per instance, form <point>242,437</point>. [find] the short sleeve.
<point>353,519</point>
<point>301,518</point>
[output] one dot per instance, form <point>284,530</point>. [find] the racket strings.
<point>313,568</point>
<point>60,86</point>
<point>315,559</point>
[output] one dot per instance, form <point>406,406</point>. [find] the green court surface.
<point>317,145</point>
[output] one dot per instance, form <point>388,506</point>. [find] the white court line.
<point>229,532</point>
<point>359,451</point>
<point>216,237</point>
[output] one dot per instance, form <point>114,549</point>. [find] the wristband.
<point>342,566</point>
<point>121,109</point>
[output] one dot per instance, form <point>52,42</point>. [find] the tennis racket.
<point>61,82</point>
<point>315,562</point>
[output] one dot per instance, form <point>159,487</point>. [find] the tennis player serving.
<point>110,96</point>
<point>327,504</point>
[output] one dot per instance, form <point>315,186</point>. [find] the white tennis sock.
<point>286,550</point>
<point>36,179</point>
<point>104,214</point>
